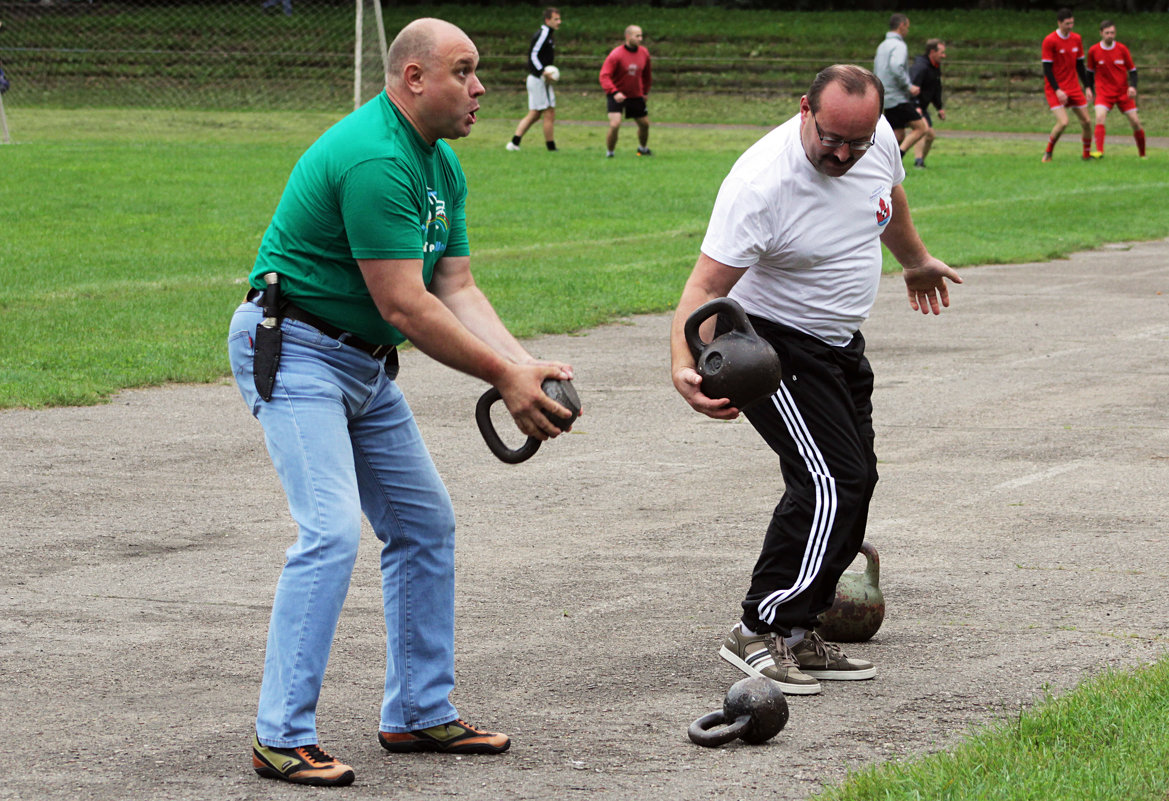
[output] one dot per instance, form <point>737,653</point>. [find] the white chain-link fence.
<point>240,54</point>
<point>300,55</point>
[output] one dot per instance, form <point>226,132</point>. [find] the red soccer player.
<point>626,78</point>
<point>1116,84</point>
<point>1063,61</point>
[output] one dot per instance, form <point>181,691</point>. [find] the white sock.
<point>797,636</point>
<point>743,628</point>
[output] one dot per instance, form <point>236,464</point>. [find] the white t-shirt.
<point>810,243</point>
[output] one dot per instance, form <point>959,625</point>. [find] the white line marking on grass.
<point>998,200</point>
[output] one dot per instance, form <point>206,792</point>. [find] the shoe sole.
<point>314,781</point>
<point>422,746</point>
<point>840,675</point>
<point>785,687</point>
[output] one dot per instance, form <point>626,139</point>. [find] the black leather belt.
<point>293,312</point>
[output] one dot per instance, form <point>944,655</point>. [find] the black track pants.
<point>820,422</point>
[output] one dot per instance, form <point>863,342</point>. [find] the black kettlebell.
<point>560,391</point>
<point>754,711</point>
<point>738,365</point>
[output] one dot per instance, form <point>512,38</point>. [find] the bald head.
<point>633,35</point>
<point>431,78</point>
<point>418,43</point>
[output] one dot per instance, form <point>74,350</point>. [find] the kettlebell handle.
<point>700,731</point>
<point>873,563</point>
<point>491,436</point>
<point>707,310</point>
<point>559,390</point>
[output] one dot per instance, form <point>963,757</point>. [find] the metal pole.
<point>381,35</point>
<point>4,122</point>
<point>357,56</point>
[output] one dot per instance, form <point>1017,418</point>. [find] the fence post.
<point>4,122</point>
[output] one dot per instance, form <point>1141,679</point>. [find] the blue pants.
<point>344,441</point>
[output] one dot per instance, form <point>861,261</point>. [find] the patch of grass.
<point>1108,740</point>
<point>711,64</point>
<point>126,247</point>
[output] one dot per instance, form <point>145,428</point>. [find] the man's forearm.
<point>1049,74</point>
<point>436,331</point>
<point>901,236</point>
<point>472,308</point>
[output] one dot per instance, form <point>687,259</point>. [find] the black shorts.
<point>900,116</point>
<point>925,115</point>
<point>634,107</point>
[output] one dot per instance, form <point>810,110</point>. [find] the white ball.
<point>552,72</point>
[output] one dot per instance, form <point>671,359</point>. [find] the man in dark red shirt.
<point>1063,61</point>
<point>1116,85</point>
<point>625,77</point>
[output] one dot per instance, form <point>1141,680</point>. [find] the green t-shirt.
<point>369,188</point>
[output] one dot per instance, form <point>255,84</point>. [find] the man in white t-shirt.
<point>795,238</point>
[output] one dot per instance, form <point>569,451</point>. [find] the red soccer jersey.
<point>1063,54</point>
<point>627,72</point>
<point>1111,67</point>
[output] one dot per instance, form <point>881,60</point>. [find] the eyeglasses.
<point>833,142</point>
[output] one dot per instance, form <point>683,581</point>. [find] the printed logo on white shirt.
<point>882,201</point>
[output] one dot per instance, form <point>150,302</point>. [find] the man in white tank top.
<point>795,238</point>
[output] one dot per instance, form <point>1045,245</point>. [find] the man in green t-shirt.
<point>368,248</point>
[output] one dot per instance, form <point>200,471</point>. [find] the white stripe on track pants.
<point>820,424</point>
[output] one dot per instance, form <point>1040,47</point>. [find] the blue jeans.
<point>344,441</point>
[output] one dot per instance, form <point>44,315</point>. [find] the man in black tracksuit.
<point>541,96</point>
<point>926,73</point>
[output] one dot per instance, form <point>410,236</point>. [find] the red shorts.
<point>1122,102</point>
<point>1076,98</point>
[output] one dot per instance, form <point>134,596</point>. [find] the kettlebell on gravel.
<point>738,365</point>
<point>754,711</point>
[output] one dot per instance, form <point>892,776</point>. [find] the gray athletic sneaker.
<point>825,660</point>
<point>766,655</point>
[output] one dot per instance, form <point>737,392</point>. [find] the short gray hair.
<point>852,79</point>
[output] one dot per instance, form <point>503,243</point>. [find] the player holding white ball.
<point>541,76</point>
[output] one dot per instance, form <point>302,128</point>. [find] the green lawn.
<point>1108,740</point>
<point>127,243</point>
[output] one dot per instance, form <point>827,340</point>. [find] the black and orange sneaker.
<point>306,764</point>
<point>456,737</point>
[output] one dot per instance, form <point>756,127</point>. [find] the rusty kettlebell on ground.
<point>859,608</point>
<point>754,710</point>
<point>560,391</point>
<point>738,365</point>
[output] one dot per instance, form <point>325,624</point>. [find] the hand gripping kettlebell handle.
<point>491,436</point>
<point>560,391</point>
<point>706,311</point>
